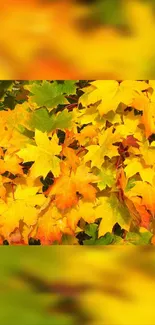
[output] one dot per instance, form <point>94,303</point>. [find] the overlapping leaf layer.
<point>77,162</point>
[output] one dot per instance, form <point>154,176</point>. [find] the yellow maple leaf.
<point>96,153</point>
<point>3,181</point>
<point>146,104</point>
<point>110,94</point>
<point>11,163</point>
<point>135,165</point>
<point>86,115</point>
<point>130,126</point>
<point>84,210</point>
<point>19,115</point>
<point>11,123</point>
<point>22,205</point>
<point>148,153</point>
<point>27,181</point>
<point>111,211</point>
<point>87,134</point>
<point>103,89</point>
<point>43,155</point>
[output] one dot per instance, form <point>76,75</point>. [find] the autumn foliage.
<point>77,162</point>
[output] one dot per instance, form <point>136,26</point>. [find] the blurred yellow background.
<point>77,285</point>
<point>77,39</point>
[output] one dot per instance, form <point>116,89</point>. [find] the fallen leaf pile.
<point>77,162</point>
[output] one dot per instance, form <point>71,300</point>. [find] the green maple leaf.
<point>91,230</point>
<point>68,87</point>
<point>139,238</point>
<point>107,177</point>
<point>62,121</point>
<point>51,94</point>
<point>45,122</point>
<point>107,239</point>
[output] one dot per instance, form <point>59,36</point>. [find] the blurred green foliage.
<point>49,285</point>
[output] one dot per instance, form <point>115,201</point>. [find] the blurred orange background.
<point>75,39</point>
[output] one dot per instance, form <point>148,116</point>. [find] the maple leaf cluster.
<point>77,162</point>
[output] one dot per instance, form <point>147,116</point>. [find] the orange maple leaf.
<point>138,211</point>
<point>72,159</point>
<point>143,104</point>
<point>144,214</point>
<point>51,225</point>
<point>66,188</point>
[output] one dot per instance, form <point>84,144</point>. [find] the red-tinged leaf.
<point>130,141</point>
